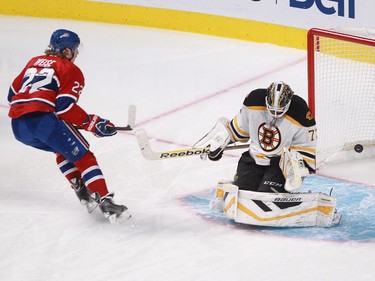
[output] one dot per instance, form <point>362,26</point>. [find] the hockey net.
<point>341,82</point>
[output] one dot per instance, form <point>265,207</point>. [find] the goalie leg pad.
<point>280,210</point>
<point>230,200</point>
<point>218,201</point>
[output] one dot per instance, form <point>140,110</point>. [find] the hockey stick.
<point>149,154</point>
<point>131,120</point>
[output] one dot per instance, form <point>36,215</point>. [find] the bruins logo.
<point>269,138</point>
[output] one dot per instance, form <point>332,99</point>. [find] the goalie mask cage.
<point>341,93</point>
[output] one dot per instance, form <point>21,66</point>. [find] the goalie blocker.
<point>276,209</point>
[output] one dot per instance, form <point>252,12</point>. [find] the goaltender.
<point>281,132</point>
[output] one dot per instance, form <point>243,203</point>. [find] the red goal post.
<point>341,91</point>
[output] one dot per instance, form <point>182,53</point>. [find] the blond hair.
<point>49,52</point>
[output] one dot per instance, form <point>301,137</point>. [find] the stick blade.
<point>132,110</point>
<point>144,145</point>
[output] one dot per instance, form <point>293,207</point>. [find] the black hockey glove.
<point>216,154</point>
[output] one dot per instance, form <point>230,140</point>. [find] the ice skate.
<point>84,195</point>
<point>111,211</point>
<point>337,218</point>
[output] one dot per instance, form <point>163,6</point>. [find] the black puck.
<point>358,148</point>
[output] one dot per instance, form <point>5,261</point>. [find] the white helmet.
<point>278,99</point>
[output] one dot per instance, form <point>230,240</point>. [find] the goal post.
<point>341,92</point>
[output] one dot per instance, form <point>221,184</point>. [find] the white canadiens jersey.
<point>296,130</point>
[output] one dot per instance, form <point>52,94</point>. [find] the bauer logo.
<point>343,8</point>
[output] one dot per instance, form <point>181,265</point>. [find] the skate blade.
<point>336,219</point>
<point>114,218</point>
<point>91,206</point>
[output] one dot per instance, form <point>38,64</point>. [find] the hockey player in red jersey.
<point>45,115</point>
<point>275,122</point>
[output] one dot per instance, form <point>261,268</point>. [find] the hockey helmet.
<point>278,98</point>
<point>62,38</point>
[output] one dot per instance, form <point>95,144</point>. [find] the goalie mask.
<point>278,99</point>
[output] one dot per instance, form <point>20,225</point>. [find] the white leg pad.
<point>230,200</point>
<point>218,201</point>
<point>279,210</point>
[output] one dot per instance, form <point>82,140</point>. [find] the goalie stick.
<point>149,154</point>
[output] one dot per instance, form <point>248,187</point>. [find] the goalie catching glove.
<point>293,168</point>
<point>217,140</point>
<point>98,126</point>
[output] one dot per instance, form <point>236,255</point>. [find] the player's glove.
<point>98,126</point>
<point>217,140</point>
<point>216,154</point>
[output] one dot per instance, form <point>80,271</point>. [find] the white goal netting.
<point>342,93</point>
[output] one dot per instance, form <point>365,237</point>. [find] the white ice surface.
<point>181,83</point>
